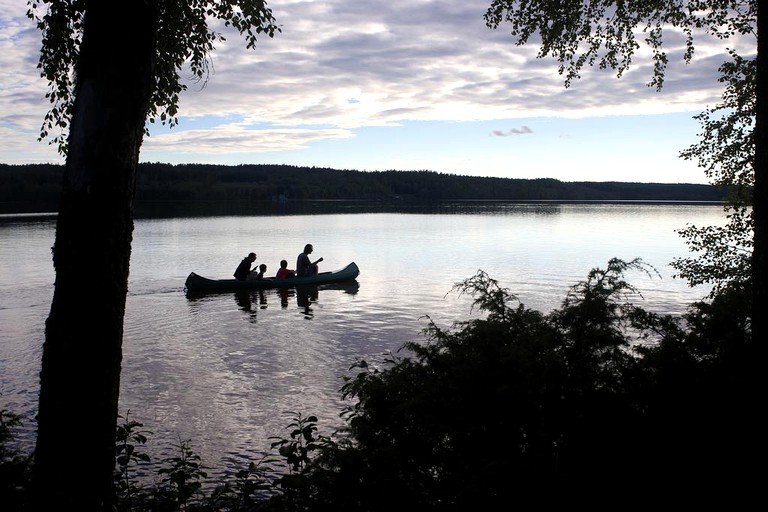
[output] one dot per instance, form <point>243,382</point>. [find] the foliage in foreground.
<point>594,399</point>
<point>15,467</point>
<point>520,405</point>
<point>726,151</point>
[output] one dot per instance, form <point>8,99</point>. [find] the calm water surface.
<point>222,369</point>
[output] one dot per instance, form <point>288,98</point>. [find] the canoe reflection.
<point>246,299</point>
<point>250,301</point>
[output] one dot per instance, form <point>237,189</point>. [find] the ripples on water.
<point>222,369</point>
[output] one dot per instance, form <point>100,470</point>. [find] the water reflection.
<point>189,209</point>
<point>251,301</point>
<point>285,294</point>
<point>305,297</point>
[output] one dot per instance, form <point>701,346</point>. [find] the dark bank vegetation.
<point>596,399</point>
<point>41,184</point>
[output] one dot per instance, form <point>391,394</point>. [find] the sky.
<point>400,85</point>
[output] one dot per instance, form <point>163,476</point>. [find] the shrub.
<point>517,406</point>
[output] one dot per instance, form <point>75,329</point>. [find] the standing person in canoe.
<point>244,268</point>
<point>304,267</point>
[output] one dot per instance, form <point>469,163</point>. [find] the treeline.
<point>40,183</point>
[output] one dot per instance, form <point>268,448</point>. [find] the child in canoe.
<point>284,272</point>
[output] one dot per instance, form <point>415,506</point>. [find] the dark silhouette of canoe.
<point>196,282</point>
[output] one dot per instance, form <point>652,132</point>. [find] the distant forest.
<point>40,184</point>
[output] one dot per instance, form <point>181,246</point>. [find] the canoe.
<point>196,282</point>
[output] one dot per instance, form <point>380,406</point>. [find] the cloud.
<point>414,61</point>
<point>236,138</point>
<point>514,131</point>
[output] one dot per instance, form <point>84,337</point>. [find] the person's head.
<point>283,264</point>
<point>263,267</point>
<point>308,249</point>
<point>252,256</point>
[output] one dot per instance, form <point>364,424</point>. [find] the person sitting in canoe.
<point>284,272</point>
<point>304,267</point>
<point>258,273</point>
<point>244,268</point>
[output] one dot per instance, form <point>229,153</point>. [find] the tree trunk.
<point>80,376</point>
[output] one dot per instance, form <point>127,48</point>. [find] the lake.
<point>222,369</point>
